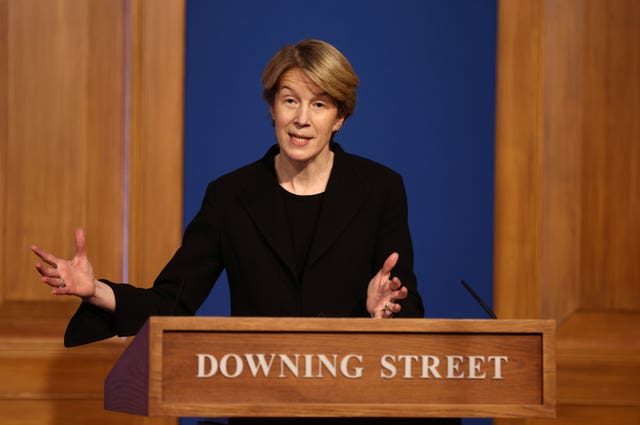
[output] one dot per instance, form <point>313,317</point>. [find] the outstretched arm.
<point>75,276</point>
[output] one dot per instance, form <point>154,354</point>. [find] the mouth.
<point>299,140</point>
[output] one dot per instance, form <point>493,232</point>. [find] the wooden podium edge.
<point>352,325</point>
<point>126,388</point>
<point>549,368</point>
<point>378,410</point>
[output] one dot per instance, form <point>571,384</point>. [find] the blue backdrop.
<point>425,108</point>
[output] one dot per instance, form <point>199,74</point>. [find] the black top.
<point>302,213</point>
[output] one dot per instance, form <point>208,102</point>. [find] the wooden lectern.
<point>321,367</point>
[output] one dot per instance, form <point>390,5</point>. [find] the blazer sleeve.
<point>180,288</point>
<point>394,236</point>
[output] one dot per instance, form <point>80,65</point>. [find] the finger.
<point>48,258</point>
<point>392,307</point>
<point>45,271</point>
<point>394,283</point>
<point>395,308</point>
<point>81,243</point>
<point>400,294</point>
<point>40,269</point>
<point>59,291</point>
<point>54,282</point>
<point>389,263</point>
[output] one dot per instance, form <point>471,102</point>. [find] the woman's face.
<point>304,116</point>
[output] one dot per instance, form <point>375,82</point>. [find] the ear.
<point>338,124</point>
<point>271,111</point>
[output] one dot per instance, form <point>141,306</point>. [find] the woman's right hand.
<point>68,277</point>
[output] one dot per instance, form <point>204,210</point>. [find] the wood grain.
<point>611,168</point>
<point>568,193</point>
<point>519,155</point>
<point>65,122</point>
<point>156,133</point>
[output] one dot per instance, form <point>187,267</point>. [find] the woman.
<point>308,230</point>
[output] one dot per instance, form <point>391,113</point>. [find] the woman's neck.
<point>309,178</point>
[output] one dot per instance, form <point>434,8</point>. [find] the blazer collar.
<point>345,195</point>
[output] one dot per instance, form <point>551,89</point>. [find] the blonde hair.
<point>323,64</point>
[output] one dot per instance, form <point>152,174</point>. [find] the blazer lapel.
<point>263,202</point>
<point>344,196</point>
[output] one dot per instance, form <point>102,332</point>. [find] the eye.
<point>319,105</point>
<point>289,100</point>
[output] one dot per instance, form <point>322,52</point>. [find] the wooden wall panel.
<point>49,146</point>
<point>82,138</point>
<point>517,165</point>
<point>611,194</point>
<point>157,85</point>
<point>560,131</point>
<point>568,194</point>
<point>4,128</point>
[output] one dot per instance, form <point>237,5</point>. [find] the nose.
<point>302,116</point>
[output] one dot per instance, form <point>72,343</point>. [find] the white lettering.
<point>238,362</point>
<point>387,362</point>
<point>261,365</point>
<point>328,364</point>
<point>344,366</point>
<point>430,365</point>
<point>285,360</point>
<point>497,365</point>
<point>453,367</point>
<point>351,366</point>
<point>407,365</point>
<point>308,366</point>
<point>203,360</point>
<point>475,364</point>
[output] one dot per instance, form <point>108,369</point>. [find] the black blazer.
<point>241,227</point>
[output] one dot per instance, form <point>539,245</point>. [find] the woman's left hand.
<point>384,291</point>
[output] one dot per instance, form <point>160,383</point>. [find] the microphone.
<point>479,300</point>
